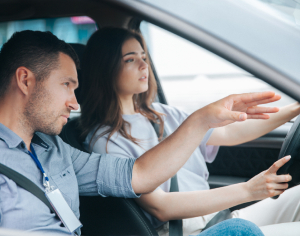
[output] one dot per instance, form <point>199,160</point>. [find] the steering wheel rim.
<point>291,146</point>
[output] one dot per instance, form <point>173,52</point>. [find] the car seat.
<point>105,215</point>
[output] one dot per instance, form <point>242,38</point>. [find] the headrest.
<point>79,49</point>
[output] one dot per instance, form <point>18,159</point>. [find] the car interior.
<point>117,216</point>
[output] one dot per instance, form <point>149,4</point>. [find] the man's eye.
<point>129,60</point>
<point>67,84</point>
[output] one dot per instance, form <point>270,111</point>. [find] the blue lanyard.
<point>37,162</point>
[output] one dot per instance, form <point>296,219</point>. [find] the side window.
<point>75,29</point>
<point>193,77</point>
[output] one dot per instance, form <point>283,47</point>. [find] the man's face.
<point>52,100</point>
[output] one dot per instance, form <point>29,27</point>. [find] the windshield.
<point>288,10</point>
<point>266,30</point>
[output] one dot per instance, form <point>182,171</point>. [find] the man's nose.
<point>72,103</point>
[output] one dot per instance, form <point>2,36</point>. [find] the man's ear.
<point>25,80</point>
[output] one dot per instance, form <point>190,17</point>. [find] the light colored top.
<point>72,171</point>
<point>192,176</point>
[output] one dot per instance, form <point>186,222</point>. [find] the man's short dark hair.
<point>37,51</point>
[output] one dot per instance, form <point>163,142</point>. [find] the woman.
<point>118,122</point>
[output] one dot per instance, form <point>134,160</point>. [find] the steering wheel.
<point>291,146</point>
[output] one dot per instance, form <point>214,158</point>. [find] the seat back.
<point>105,215</point>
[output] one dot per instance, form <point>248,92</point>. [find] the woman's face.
<point>134,73</point>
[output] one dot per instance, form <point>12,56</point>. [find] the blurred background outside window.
<point>193,77</point>
<point>76,29</point>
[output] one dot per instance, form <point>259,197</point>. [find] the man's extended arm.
<point>161,162</point>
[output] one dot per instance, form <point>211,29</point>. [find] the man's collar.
<point>13,140</point>
<point>9,137</point>
<point>39,141</point>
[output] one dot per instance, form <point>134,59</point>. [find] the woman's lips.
<point>144,78</point>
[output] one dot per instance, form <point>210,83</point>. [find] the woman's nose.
<point>144,64</point>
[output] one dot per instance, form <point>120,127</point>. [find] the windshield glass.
<point>288,10</point>
<point>267,30</point>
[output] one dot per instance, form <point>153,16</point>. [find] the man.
<point>38,78</point>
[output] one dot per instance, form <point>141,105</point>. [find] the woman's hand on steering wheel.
<point>268,183</point>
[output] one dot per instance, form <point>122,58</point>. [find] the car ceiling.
<point>103,12</point>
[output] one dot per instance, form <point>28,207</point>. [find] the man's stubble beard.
<point>37,115</point>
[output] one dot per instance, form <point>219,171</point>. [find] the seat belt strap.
<point>175,226</point>
<point>25,183</point>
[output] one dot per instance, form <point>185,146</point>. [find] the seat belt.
<point>221,216</point>
<point>25,183</point>
<point>175,226</point>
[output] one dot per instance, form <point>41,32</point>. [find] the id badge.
<point>63,210</point>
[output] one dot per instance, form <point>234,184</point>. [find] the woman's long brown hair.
<point>101,105</point>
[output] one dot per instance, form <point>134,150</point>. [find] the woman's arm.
<point>242,132</point>
<point>181,205</point>
<point>161,162</point>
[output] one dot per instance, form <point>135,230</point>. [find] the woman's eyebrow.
<point>132,53</point>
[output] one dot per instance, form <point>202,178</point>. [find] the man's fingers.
<point>274,168</point>
<point>238,108</point>
<point>259,110</point>
<point>234,116</point>
<point>264,101</point>
<point>252,97</point>
<point>258,116</point>
<point>256,97</point>
<point>259,98</point>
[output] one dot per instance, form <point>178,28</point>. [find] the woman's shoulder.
<point>97,131</point>
<point>95,135</point>
<point>169,110</point>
